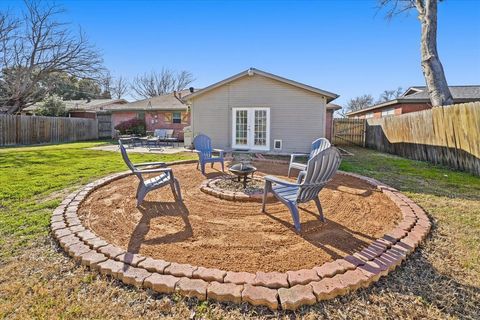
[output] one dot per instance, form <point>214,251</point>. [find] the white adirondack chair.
<point>320,169</point>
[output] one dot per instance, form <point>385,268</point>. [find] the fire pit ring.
<point>243,170</point>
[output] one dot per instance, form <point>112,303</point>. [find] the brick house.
<point>415,99</point>
<point>81,108</point>
<point>161,112</point>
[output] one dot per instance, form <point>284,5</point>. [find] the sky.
<point>346,46</point>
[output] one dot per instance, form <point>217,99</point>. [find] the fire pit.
<point>242,170</point>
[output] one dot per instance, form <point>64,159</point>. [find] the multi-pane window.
<point>241,127</point>
<point>176,117</point>
<point>369,115</point>
<point>260,138</point>
<point>388,112</point>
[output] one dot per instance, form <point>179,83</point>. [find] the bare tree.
<point>388,95</point>
<point>38,46</point>
<point>360,102</point>
<point>432,67</point>
<point>119,88</point>
<point>159,83</point>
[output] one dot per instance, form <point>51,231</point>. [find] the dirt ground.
<point>206,231</point>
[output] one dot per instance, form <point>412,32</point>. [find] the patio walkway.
<point>163,150</point>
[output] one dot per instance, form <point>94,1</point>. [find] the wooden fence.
<point>349,132</point>
<point>447,135</point>
<point>26,130</point>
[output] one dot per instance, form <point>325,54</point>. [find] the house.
<point>259,111</point>
<point>80,108</point>
<point>415,99</point>
<point>160,112</point>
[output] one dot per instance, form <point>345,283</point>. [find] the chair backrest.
<point>125,157</point>
<point>169,133</point>
<point>161,133</point>
<point>318,146</point>
<point>320,169</point>
<point>203,144</point>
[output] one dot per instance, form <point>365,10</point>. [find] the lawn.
<point>440,280</point>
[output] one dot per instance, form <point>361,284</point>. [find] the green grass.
<point>32,179</point>
<point>440,280</point>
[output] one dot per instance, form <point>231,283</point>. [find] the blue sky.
<point>346,47</point>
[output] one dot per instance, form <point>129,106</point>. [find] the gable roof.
<point>419,94</point>
<point>167,102</point>
<point>252,71</point>
<point>83,105</point>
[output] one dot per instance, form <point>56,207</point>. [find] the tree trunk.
<point>432,67</point>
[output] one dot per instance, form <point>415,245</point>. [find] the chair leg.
<point>211,165</point>
<point>296,218</point>
<point>266,190</point>
<point>179,192</point>
<point>223,168</point>
<point>203,168</point>
<point>289,168</point>
<point>141,195</point>
<point>320,210</point>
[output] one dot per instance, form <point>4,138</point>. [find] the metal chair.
<point>145,186</point>
<point>320,169</point>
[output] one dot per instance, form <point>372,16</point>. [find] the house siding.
<point>399,109</point>
<point>297,116</point>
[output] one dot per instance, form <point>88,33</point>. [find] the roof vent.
<point>192,89</point>
<point>250,72</point>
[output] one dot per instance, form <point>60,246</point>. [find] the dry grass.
<point>441,280</point>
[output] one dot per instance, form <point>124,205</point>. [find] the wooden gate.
<point>349,132</point>
<point>104,125</point>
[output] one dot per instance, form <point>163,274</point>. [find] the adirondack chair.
<point>203,147</point>
<point>145,186</point>
<point>320,169</point>
<point>317,146</point>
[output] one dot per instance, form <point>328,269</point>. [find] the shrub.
<point>132,126</point>
<point>53,106</point>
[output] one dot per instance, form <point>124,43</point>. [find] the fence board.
<point>26,130</point>
<point>447,135</point>
<point>349,131</point>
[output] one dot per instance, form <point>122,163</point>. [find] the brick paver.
<point>112,268</point>
<point>196,288</point>
<point>260,296</point>
<point>154,265</point>
<point>296,296</point>
<point>130,258</point>
<point>111,251</point>
<point>272,280</point>
<point>161,283</point>
<point>303,276</point>
<point>225,292</point>
<point>209,274</point>
<point>134,276</point>
<point>92,259</point>
<point>180,270</point>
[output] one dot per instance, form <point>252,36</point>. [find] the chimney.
<point>192,89</point>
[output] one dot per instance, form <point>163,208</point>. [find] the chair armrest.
<point>221,151</point>
<point>296,155</point>
<point>301,176</point>
<point>279,181</point>
<point>154,170</point>
<point>144,164</point>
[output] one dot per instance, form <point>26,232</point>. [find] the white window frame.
<point>251,124</point>
<point>369,115</point>
<point>388,112</point>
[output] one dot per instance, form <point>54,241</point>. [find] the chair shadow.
<point>330,235</point>
<point>154,209</point>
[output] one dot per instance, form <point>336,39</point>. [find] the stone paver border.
<point>210,187</point>
<point>275,290</point>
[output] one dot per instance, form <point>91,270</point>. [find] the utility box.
<point>187,137</point>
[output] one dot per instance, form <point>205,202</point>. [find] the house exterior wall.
<point>154,120</point>
<point>399,109</point>
<point>83,114</point>
<point>297,116</point>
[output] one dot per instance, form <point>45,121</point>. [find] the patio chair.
<point>320,169</point>
<point>203,147</point>
<point>145,186</point>
<point>317,146</point>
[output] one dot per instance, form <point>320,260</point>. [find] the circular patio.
<point>228,250</point>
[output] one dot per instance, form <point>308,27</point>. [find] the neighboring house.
<point>415,99</point>
<point>81,108</point>
<point>258,111</point>
<point>160,112</point>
